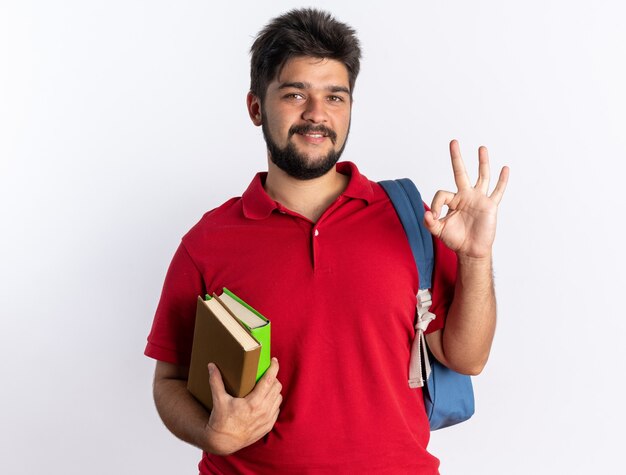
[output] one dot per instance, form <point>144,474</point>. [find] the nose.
<point>315,111</point>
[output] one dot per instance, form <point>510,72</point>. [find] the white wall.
<point>122,121</point>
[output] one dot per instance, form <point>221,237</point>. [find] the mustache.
<point>311,129</point>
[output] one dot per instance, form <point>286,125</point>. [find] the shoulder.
<point>213,222</point>
<point>231,210</point>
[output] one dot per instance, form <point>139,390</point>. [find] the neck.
<point>309,198</point>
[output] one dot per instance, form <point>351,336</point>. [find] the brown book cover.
<point>219,338</point>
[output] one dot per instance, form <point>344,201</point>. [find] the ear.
<point>254,109</point>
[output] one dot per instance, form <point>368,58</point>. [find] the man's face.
<point>306,116</point>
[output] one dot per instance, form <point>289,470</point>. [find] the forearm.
<point>469,229</point>
<point>233,424</point>
<point>181,413</point>
<point>471,320</point>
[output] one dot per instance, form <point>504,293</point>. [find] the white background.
<point>122,121</point>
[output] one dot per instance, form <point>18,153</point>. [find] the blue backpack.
<point>448,395</point>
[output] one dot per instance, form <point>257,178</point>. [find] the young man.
<point>318,248</point>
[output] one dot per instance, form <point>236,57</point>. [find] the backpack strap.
<point>409,206</point>
<point>408,203</point>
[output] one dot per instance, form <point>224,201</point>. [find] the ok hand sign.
<point>469,227</point>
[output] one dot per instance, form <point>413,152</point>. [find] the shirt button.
<point>316,233</point>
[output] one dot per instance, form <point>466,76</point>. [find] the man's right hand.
<point>236,423</point>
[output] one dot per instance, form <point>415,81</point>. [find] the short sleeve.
<point>444,280</point>
<point>171,336</point>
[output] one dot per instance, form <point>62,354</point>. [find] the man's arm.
<point>465,342</point>
<point>468,229</point>
<point>233,423</point>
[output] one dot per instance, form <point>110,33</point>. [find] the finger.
<point>441,199</point>
<point>458,167</point>
<point>268,422</point>
<point>264,385</point>
<point>482,183</point>
<point>274,393</point>
<point>498,191</point>
<point>276,408</point>
<point>433,225</point>
<point>218,392</point>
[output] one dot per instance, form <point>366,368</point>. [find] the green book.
<point>258,326</point>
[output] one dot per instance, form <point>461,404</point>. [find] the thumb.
<point>217,384</point>
<point>433,225</point>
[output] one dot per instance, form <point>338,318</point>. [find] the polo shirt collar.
<point>257,204</point>
<point>359,187</point>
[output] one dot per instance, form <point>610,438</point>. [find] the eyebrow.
<point>306,85</point>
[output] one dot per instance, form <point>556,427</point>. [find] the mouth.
<point>314,134</point>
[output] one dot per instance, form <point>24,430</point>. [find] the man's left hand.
<point>469,227</point>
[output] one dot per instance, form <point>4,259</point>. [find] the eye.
<point>296,96</point>
<point>335,99</point>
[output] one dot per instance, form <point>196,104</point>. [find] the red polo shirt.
<point>341,297</point>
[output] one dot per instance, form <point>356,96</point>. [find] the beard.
<point>296,164</point>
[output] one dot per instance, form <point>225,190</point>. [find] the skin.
<point>308,91</point>
<point>233,423</point>
<point>313,91</point>
<point>469,229</point>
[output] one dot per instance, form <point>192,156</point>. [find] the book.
<point>220,337</point>
<point>258,326</point>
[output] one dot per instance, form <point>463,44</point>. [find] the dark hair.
<point>301,32</point>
